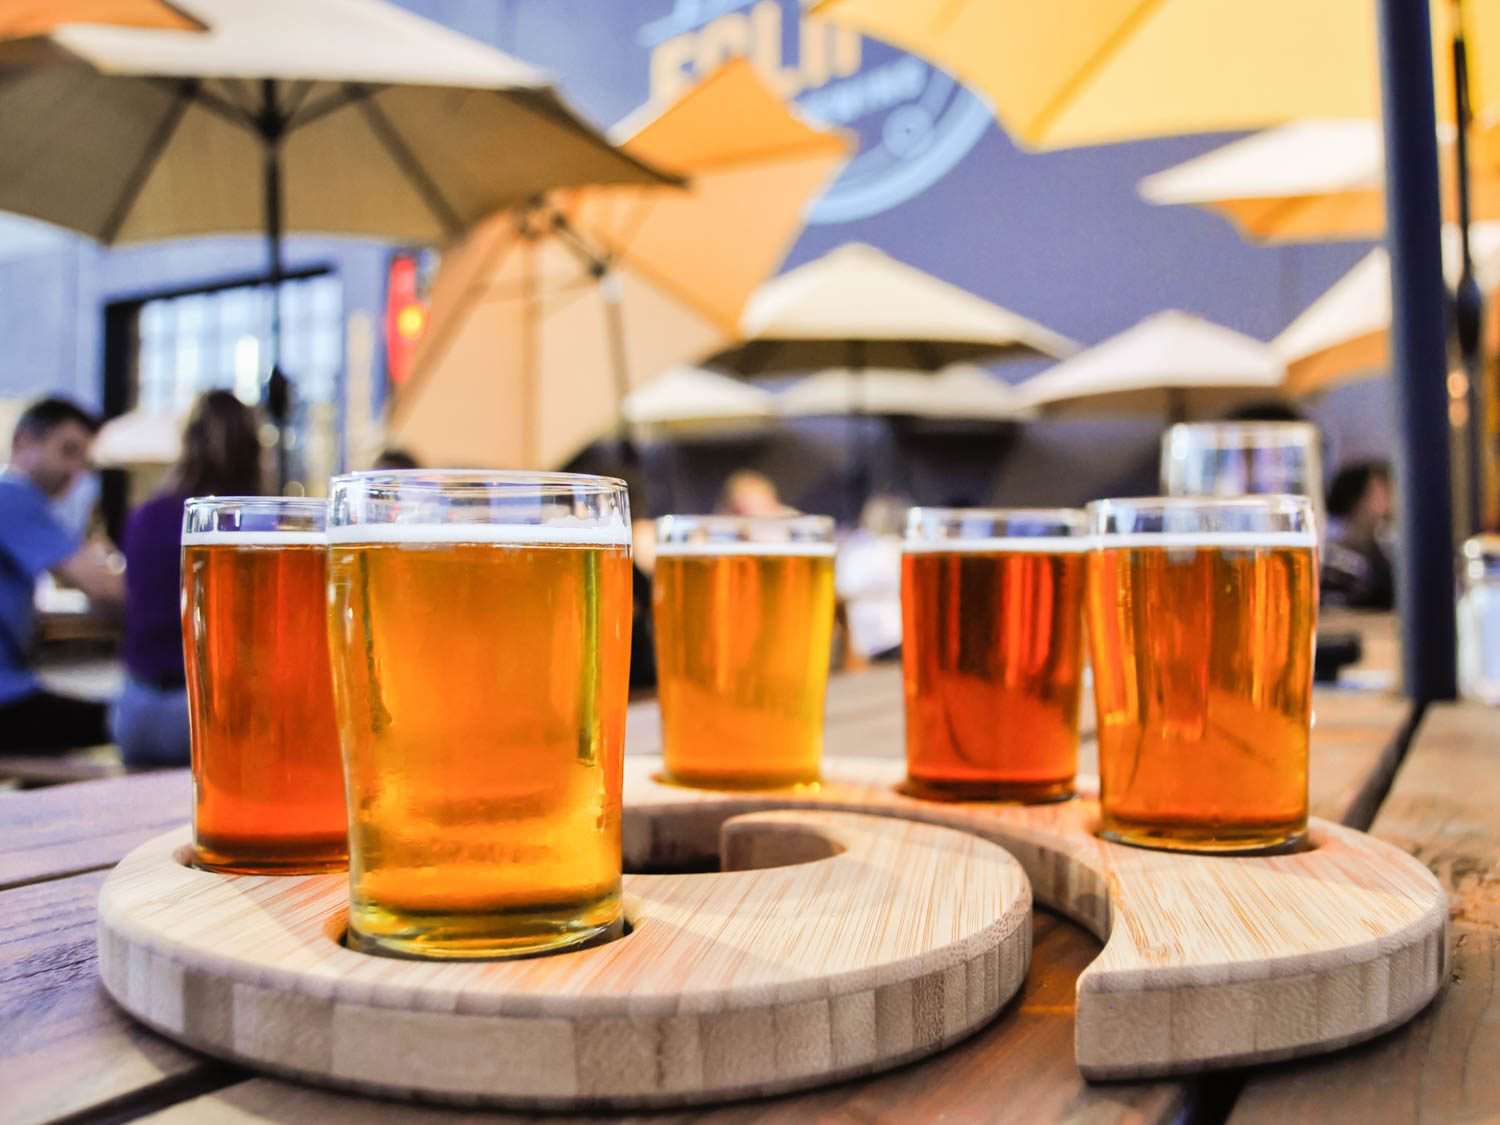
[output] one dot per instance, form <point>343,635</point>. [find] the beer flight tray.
<point>832,943</point>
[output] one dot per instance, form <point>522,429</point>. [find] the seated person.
<point>1357,571</point>
<point>49,452</point>
<point>221,456</point>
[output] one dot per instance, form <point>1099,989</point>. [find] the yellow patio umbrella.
<point>22,18</point>
<point>1315,180</point>
<point>1078,72</point>
<point>545,317</point>
<point>1344,335</point>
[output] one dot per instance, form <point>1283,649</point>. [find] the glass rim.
<point>1059,515</point>
<point>1289,520</point>
<point>1263,500</point>
<point>1249,434</point>
<point>812,521</point>
<point>284,503</point>
<point>543,482</point>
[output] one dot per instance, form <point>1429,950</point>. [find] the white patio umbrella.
<point>859,308</point>
<point>1344,335</point>
<point>138,437</point>
<point>690,398</point>
<point>959,392</point>
<point>333,116</point>
<point>1172,364</point>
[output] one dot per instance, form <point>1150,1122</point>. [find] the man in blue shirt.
<point>49,451</point>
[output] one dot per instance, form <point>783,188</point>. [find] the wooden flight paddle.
<point>832,944</point>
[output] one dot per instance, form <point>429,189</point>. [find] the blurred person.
<point>221,456</point>
<point>867,578</point>
<point>49,453</point>
<point>392,459</point>
<point>751,493</point>
<point>1357,569</point>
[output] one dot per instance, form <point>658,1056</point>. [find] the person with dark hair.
<point>393,459</point>
<point>1357,570</point>
<point>49,452</point>
<point>221,456</point>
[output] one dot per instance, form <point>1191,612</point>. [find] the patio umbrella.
<point>1314,180</point>
<point>690,399</point>
<point>22,18</point>
<point>1077,72</point>
<point>138,437</point>
<point>859,308</point>
<point>1171,364</point>
<point>957,393</point>
<point>1344,335</point>
<point>546,316</point>
<point>334,116</point>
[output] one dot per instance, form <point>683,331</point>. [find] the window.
<point>220,339</point>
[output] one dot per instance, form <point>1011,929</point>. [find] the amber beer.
<point>992,655</point>
<point>269,786</point>
<point>1203,671</point>
<point>481,674</point>
<point>743,631</point>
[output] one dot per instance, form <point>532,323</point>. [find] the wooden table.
<point>68,1052</point>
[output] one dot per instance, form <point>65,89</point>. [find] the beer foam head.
<point>730,548</point>
<point>1210,540</point>
<point>994,545</point>
<point>254,538</point>
<point>498,534</point>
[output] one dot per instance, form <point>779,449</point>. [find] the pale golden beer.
<point>268,783</point>
<point>1202,645</point>
<point>481,673</point>
<point>992,652</point>
<point>743,633</point>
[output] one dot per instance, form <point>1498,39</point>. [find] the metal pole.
<point>1468,301</point>
<point>1418,352</point>
<point>272,125</point>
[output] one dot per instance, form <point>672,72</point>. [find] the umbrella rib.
<point>407,161</point>
<point>142,171</point>
<point>346,95</point>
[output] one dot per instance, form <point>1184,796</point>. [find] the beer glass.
<point>1244,459</point>
<point>992,651</point>
<point>744,624</point>
<point>268,785</point>
<point>1201,616</point>
<point>479,630</point>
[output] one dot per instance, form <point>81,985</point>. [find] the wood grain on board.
<point>1017,1071</point>
<point>1442,809</point>
<point>831,945</point>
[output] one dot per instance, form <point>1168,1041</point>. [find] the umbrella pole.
<point>1419,352</point>
<point>1468,301</point>
<point>271,124</point>
<point>614,327</point>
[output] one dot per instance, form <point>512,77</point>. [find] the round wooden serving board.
<point>886,938</point>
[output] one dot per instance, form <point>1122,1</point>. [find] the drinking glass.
<point>479,628</point>
<point>268,785</point>
<point>992,651</point>
<point>1201,620</point>
<point>744,628</point>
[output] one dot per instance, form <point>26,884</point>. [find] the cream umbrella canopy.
<point>959,392</point>
<point>1345,334</point>
<point>859,308</point>
<point>687,399</point>
<point>545,317</point>
<point>1172,364</point>
<point>334,116</point>
<point>1313,180</point>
